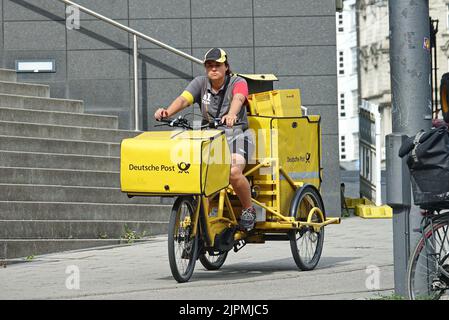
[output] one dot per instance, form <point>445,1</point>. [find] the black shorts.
<point>242,143</point>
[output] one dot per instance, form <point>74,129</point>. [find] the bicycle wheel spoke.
<point>443,242</point>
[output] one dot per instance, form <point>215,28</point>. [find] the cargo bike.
<point>193,165</point>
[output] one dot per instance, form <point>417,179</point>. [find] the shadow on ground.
<point>248,270</point>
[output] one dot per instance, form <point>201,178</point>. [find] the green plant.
<point>30,258</point>
<point>130,235</point>
<point>392,296</point>
<point>103,236</point>
<point>345,214</point>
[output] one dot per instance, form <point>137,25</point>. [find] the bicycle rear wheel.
<point>428,267</point>
<point>306,244</point>
<point>182,246</point>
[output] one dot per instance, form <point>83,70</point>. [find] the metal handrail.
<point>136,34</point>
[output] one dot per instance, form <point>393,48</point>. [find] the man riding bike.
<point>222,97</point>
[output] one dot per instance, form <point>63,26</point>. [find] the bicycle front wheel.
<point>182,244</point>
<point>428,267</point>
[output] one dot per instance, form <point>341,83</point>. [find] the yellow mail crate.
<point>175,162</point>
<point>276,103</point>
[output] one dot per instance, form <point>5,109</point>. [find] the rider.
<point>222,96</point>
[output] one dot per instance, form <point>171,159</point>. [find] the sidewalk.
<point>353,253</point>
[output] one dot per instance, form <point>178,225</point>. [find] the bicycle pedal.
<point>239,245</point>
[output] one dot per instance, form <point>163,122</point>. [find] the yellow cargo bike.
<point>194,166</point>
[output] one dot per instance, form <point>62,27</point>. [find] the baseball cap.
<point>215,54</point>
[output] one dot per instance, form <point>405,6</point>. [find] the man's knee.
<point>236,173</point>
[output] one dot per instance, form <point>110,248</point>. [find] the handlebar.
<point>182,122</point>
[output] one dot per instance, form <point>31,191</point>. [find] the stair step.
<point>37,103</point>
<point>86,229</point>
<point>26,192</point>
<point>58,118</point>
<point>59,177</point>
<point>8,75</point>
<point>25,89</point>
<point>18,248</point>
<point>23,210</point>
<point>72,147</point>
<point>59,161</point>
<point>64,132</point>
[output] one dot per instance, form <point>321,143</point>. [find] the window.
<point>353,11</point>
<point>447,15</point>
<point>354,60</point>
<point>340,22</point>
<point>342,147</point>
<point>341,64</point>
<point>355,102</point>
<point>342,105</point>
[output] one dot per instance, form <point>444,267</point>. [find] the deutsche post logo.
<point>183,167</point>
<point>308,156</point>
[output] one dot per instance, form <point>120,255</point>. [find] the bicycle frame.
<point>225,216</point>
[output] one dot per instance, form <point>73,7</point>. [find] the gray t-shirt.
<point>201,90</point>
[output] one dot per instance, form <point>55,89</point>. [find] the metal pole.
<point>135,32</point>
<point>136,86</point>
<point>411,111</point>
<point>378,183</point>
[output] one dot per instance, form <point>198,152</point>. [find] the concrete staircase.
<point>59,177</point>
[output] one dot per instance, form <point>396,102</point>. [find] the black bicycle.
<point>428,266</point>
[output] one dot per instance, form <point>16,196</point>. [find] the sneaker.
<point>248,219</point>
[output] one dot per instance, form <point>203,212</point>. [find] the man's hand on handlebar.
<point>160,113</point>
<point>229,120</point>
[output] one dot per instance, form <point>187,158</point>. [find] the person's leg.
<point>239,182</point>
<point>241,187</point>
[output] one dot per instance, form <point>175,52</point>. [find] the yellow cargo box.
<point>294,145</point>
<point>276,103</point>
<point>175,163</point>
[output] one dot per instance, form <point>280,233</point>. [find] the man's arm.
<point>186,99</point>
<point>240,93</point>
<point>236,104</point>
<point>177,105</point>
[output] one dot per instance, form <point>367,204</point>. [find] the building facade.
<point>374,71</point>
<point>348,94</point>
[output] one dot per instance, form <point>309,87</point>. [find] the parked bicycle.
<point>428,267</point>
